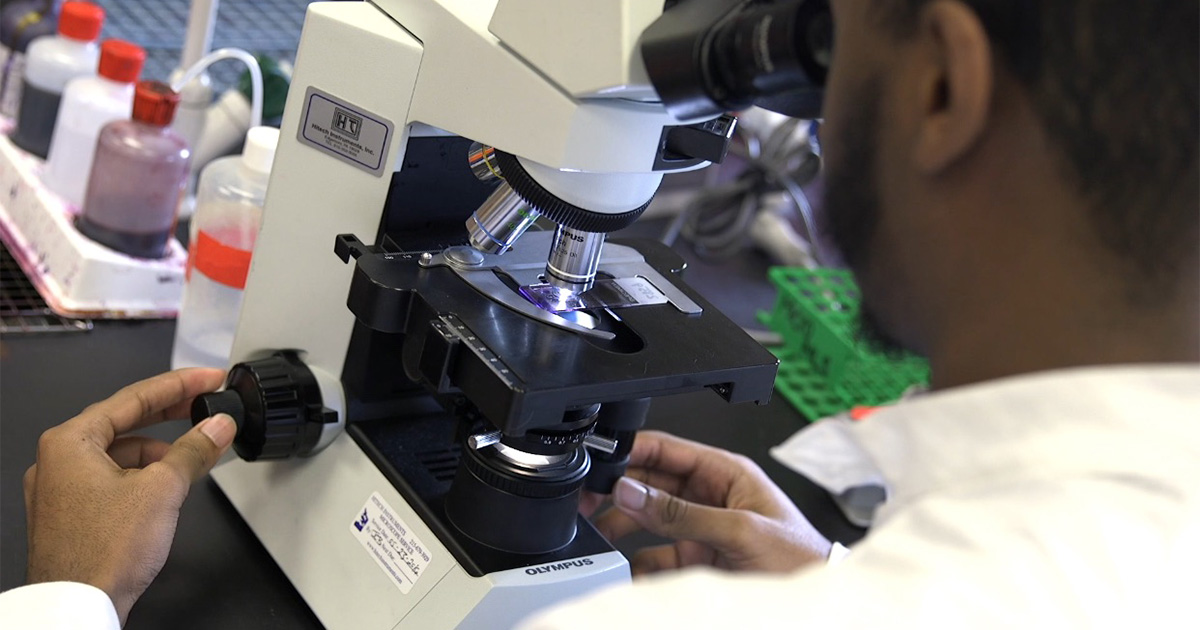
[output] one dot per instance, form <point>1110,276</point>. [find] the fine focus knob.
<point>276,404</point>
<point>227,402</point>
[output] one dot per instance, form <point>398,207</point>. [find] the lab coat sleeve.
<point>58,606</point>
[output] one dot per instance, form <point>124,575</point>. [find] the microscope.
<point>440,348</point>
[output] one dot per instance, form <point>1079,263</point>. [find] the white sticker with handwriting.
<point>389,540</point>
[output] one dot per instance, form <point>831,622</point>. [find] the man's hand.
<point>102,506</point>
<point>721,509</point>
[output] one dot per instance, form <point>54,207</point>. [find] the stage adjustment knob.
<point>276,404</point>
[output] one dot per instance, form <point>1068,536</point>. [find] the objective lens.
<point>500,221</point>
<point>574,258</point>
<point>482,159</point>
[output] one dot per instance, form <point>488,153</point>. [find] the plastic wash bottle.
<point>51,62</point>
<point>137,178</point>
<point>89,103</point>
<point>229,203</point>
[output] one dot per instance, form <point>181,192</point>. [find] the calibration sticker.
<point>349,133</point>
<point>391,543</point>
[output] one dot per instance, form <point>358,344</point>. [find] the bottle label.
<point>219,262</point>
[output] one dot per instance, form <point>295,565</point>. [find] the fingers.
<point>667,515</point>
<point>615,524</point>
<point>163,397</point>
<point>589,502</point>
<point>673,484</point>
<point>667,454</point>
<point>198,450</point>
<point>135,451</point>
<point>656,450</point>
<point>29,485</point>
<point>671,557</point>
<point>654,560</point>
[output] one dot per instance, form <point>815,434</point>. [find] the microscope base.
<point>393,571</point>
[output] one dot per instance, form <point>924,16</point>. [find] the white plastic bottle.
<point>229,202</point>
<point>51,62</point>
<point>88,104</point>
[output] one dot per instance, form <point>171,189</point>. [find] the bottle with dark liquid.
<point>137,177</point>
<point>52,62</point>
<point>21,22</point>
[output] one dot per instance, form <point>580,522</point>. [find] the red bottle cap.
<point>121,61</point>
<point>81,21</point>
<point>154,103</point>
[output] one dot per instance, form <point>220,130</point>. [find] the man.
<point>1016,185</point>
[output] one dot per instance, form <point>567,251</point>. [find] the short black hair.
<point>1116,84</point>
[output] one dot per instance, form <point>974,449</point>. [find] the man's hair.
<point>1116,85</point>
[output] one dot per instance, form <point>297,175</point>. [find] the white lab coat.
<point>57,606</point>
<point>1066,499</point>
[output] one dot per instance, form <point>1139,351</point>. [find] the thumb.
<point>198,450</point>
<point>664,514</point>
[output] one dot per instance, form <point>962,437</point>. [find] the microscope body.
<point>448,419</point>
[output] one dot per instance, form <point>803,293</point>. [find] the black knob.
<point>618,421</point>
<point>276,404</point>
<point>226,402</point>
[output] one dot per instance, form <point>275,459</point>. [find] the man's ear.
<point>955,84</point>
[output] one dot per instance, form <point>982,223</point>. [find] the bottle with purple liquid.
<point>137,177</point>
<point>52,62</point>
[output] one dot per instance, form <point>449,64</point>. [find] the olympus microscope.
<point>424,381</point>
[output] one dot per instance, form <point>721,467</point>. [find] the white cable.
<point>256,80</point>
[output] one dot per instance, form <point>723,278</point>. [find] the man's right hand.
<point>720,508</point>
<point>101,505</point>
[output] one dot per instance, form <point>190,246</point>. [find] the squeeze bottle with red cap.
<point>138,176</point>
<point>88,104</point>
<point>229,202</point>
<point>51,62</point>
<point>20,24</point>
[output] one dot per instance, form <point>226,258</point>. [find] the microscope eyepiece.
<point>705,57</point>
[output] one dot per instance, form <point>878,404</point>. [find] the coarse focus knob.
<point>276,404</point>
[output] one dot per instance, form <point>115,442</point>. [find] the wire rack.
<point>270,27</point>
<point>22,310</point>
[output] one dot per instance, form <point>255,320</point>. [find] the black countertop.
<point>218,575</point>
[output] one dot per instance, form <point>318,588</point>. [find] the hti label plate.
<point>349,133</point>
